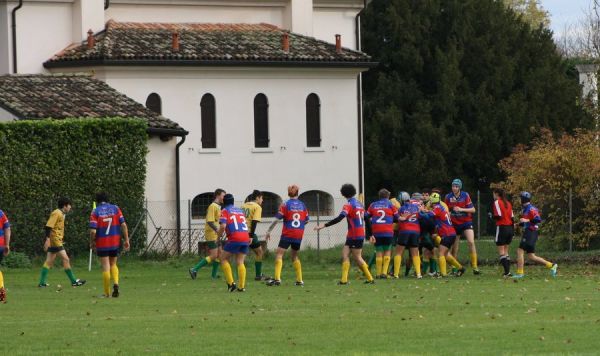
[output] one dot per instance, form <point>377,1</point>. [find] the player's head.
<point>403,197</point>
<point>457,185</point>
<point>256,196</point>
<point>228,199</point>
<point>219,194</point>
<point>384,194</point>
<point>525,197</point>
<point>101,197</point>
<point>434,198</point>
<point>499,193</point>
<point>417,196</point>
<point>348,190</point>
<point>293,191</point>
<point>64,203</point>
<point>426,193</point>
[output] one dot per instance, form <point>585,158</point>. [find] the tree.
<point>459,83</point>
<point>549,169</point>
<point>531,11</point>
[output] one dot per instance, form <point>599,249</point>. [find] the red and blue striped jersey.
<point>106,219</point>
<point>533,214</point>
<point>382,213</point>
<point>354,212</point>
<point>462,201</point>
<point>236,227</point>
<point>4,224</point>
<point>442,221</point>
<point>411,224</point>
<point>295,216</point>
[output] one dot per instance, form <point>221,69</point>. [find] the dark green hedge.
<point>45,159</point>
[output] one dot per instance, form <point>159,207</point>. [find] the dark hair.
<point>63,201</point>
<point>255,194</point>
<point>501,194</point>
<point>228,199</point>
<point>384,194</point>
<point>436,190</point>
<point>101,197</point>
<point>426,191</point>
<point>348,190</point>
<point>218,192</point>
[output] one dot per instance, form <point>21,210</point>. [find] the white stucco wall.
<point>327,22</point>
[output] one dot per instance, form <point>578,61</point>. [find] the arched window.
<point>270,205</point>
<point>200,203</point>
<point>209,121</point>
<point>154,103</point>
<point>313,121</point>
<point>261,121</point>
<point>318,202</point>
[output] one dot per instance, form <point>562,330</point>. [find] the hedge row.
<point>43,160</point>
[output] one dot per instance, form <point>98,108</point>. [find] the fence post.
<point>318,223</point>
<point>189,226</point>
<point>478,214</point>
<point>570,219</point>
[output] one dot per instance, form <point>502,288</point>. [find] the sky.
<point>564,12</point>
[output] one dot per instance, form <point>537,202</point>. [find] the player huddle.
<point>426,225</point>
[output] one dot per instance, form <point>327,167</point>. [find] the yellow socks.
<point>453,262</point>
<point>473,260</point>
<point>386,264</point>
<point>298,268</point>
<point>442,263</point>
<point>416,260</point>
<point>365,269</point>
<point>379,265</point>
<point>226,267</point>
<point>278,267</point>
<point>1,280</point>
<point>397,262</point>
<point>548,264</point>
<point>106,282</point>
<point>241,276</point>
<point>345,270</point>
<point>520,271</point>
<point>114,274</point>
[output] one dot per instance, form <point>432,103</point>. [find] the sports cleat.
<point>476,272</point>
<point>460,272</point>
<point>231,287</point>
<point>43,285</point>
<point>383,276</point>
<point>193,273</point>
<point>262,277</point>
<point>340,283</point>
<point>518,276</point>
<point>2,295</point>
<point>419,276</point>
<point>300,284</point>
<point>241,289</point>
<point>273,282</point>
<point>78,282</point>
<point>372,281</point>
<point>115,293</point>
<point>553,270</point>
<point>507,275</point>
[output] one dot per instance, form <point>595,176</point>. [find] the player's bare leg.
<point>357,254</point>
<point>416,260</point>
<point>469,235</point>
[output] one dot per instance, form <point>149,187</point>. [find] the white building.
<point>268,96</point>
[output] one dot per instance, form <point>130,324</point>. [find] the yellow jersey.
<point>253,211</point>
<point>397,205</point>
<point>213,214</point>
<point>56,222</point>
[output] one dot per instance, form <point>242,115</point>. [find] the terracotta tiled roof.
<point>123,43</point>
<point>61,96</point>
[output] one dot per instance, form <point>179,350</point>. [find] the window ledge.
<point>314,149</point>
<point>262,150</point>
<point>203,151</point>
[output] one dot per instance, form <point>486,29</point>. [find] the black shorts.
<point>1,254</point>
<point>108,253</point>
<point>254,243</point>
<point>448,241</point>
<point>462,228</point>
<point>355,243</point>
<point>504,235</point>
<point>56,249</point>
<point>408,239</point>
<point>426,242</point>
<point>286,243</point>
<point>528,241</point>
<point>383,241</point>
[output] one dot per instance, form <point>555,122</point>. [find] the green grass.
<point>162,311</point>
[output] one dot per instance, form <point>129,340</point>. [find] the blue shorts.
<point>355,243</point>
<point>461,228</point>
<point>108,253</point>
<point>408,239</point>
<point>286,243</point>
<point>236,247</point>
<point>383,240</point>
<point>448,241</point>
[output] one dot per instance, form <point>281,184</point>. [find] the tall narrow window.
<point>261,121</point>
<point>154,103</point>
<point>313,121</point>
<point>209,121</point>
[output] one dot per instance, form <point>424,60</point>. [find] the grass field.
<point>161,310</point>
